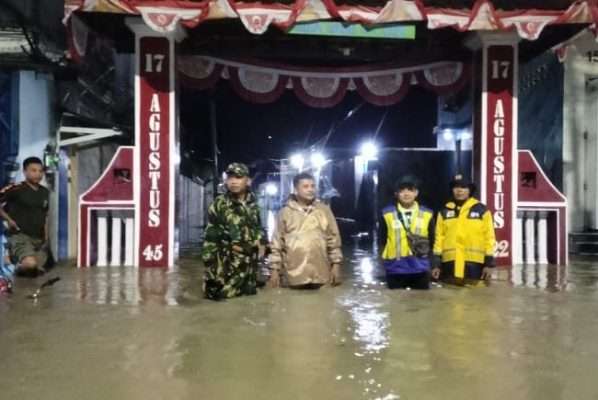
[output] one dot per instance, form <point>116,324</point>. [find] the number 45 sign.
<point>153,253</point>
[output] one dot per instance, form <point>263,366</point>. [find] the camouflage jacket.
<point>231,222</point>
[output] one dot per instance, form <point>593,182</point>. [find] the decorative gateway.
<point>256,16</point>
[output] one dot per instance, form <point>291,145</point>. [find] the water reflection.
<point>366,270</point>
<point>368,306</point>
<point>126,285</point>
<point>534,327</point>
<point>539,276</point>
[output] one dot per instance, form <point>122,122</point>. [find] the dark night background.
<point>260,135</point>
<point>245,129</point>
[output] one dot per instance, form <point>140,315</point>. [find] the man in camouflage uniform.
<point>233,239</point>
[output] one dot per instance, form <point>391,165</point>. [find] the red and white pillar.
<point>495,133</point>
<point>156,158</point>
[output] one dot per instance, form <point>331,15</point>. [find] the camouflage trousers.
<point>229,276</point>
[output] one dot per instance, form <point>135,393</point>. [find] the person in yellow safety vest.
<point>406,234</point>
<point>464,237</point>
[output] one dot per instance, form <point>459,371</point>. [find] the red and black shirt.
<point>27,206</point>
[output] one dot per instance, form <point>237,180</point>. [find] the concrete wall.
<point>580,132</point>
<point>36,130</point>
<point>541,94</point>
<point>191,212</point>
<point>36,121</point>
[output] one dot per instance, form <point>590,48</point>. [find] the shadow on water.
<point>148,334</point>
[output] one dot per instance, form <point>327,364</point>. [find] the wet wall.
<point>541,113</point>
<point>9,140</point>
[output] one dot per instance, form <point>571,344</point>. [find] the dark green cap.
<point>237,169</point>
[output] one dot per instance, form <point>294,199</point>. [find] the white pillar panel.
<point>518,240</point>
<point>530,239</point>
<point>129,241</point>
<point>102,244</point>
<point>116,248</point>
<point>543,237</point>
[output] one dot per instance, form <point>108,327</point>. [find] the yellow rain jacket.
<point>464,234</point>
<point>420,221</point>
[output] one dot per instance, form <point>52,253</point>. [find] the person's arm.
<point>333,244</point>
<point>489,245</point>
<point>5,197</point>
<point>438,243</point>
<point>382,232</point>
<point>277,248</point>
<point>215,235</point>
<point>4,215</point>
<point>261,240</point>
<point>431,235</point>
<point>333,239</point>
<point>46,233</point>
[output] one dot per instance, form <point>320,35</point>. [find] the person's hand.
<point>237,249</point>
<point>487,273</point>
<point>436,273</point>
<point>12,225</point>
<point>335,275</point>
<point>274,280</point>
<point>261,250</point>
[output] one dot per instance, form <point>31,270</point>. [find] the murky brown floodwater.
<point>114,333</point>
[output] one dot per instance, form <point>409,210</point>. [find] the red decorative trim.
<point>253,97</point>
<point>459,84</point>
<point>201,83</point>
<point>383,101</point>
<point>318,102</point>
<point>257,16</point>
<point>283,73</point>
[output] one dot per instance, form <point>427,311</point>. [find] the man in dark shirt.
<point>24,208</point>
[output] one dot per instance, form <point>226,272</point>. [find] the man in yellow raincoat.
<point>306,244</point>
<point>464,237</point>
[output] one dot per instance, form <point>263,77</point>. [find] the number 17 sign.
<point>154,152</point>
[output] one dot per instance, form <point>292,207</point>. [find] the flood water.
<point>121,333</point>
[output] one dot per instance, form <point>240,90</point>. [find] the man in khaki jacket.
<point>306,244</point>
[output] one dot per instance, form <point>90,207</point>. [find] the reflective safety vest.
<point>396,239</point>
<point>464,235</point>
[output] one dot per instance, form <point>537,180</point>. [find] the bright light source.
<point>465,135</point>
<point>447,135</point>
<point>369,150</point>
<point>271,189</point>
<point>318,160</point>
<point>297,161</point>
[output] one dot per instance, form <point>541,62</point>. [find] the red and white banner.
<point>256,16</point>
<point>154,190</point>
<point>499,144</point>
<point>381,85</point>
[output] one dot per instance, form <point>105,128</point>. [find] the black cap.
<point>406,182</point>
<point>460,180</point>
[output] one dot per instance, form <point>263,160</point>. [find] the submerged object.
<point>47,283</point>
<point>5,285</point>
